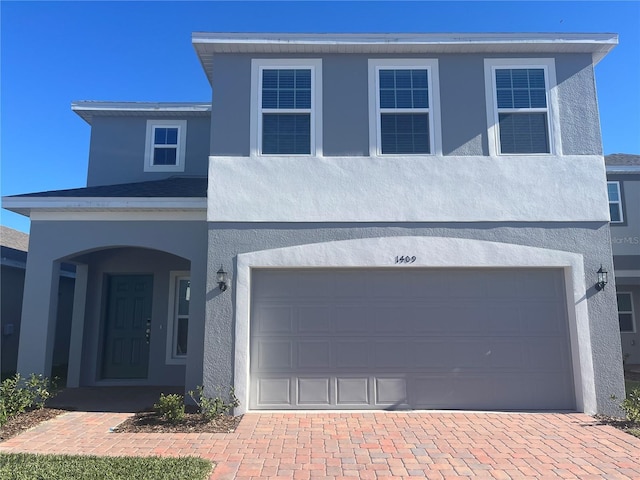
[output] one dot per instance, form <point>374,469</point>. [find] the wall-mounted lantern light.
<point>222,279</point>
<point>603,278</point>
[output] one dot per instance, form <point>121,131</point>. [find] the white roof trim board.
<point>208,44</point>
<point>89,109</point>
<point>25,205</point>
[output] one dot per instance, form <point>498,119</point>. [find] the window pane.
<point>184,286</point>
<point>405,133</point>
<point>172,136</point>
<point>523,133</point>
<point>160,135</point>
<point>624,302</point>
<point>521,88</point>
<point>626,322</point>
<point>182,332</point>
<point>612,190</point>
<point>387,79</point>
<point>286,133</point>
<point>164,156</point>
<point>404,89</point>
<point>165,136</point>
<point>287,88</point>
<point>614,212</point>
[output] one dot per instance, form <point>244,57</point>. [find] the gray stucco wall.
<point>590,239</point>
<point>345,103</point>
<point>117,147</point>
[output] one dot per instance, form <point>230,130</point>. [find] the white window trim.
<point>435,125</point>
<point>172,324</point>
<point>553,116</point>
<point>618,202</point>
<point>181,125</point>
<point>633,316</point>
<point>259,64</point>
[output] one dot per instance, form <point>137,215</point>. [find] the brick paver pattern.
<point>365,445</point>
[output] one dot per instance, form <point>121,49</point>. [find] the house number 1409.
<point>405,259</point>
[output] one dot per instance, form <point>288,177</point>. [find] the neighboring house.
<point>374,221</point>
<point>623,181</point>
<point>14,246</point>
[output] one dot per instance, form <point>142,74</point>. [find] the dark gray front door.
<point>126,343</point>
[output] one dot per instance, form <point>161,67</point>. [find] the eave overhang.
<point>208,44</point>
<point>26,205</point>
<point>89,109</point>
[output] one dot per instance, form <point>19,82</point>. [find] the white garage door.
<point>410,338</point>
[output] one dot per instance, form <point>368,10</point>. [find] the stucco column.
<point>39,312</point>
<point>195,341</point>
<point>77,326</point>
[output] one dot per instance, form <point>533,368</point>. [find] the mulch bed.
<point>151,422</point>
<point>24,421</point>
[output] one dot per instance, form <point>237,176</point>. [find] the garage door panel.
<point>274,355</point>
<point>275,319</point>
<point>351,354</point>
<point>391,391</point>
<point>390,354</point>
<point>314,319</point>
<point>315,354</point>
<point>273,391</point>
<point>313,391</point>
<point>353,391</point>
<point>351,319</point>
<point>491,339</point>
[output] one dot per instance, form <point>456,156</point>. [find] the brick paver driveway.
<point>366,445</point>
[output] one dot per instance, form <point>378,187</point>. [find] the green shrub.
<point>218,405</point>
<point>170,407</point>
<point>631,405</point>
<point>18,395</point>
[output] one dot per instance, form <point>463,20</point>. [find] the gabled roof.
<point>14,239</point>
<point>622,163</point>
<point>174,193</point>
<point>208,44</point>
<point>88,109</point>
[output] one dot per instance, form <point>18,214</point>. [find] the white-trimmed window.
<point>404,107</point>
<point>286,105</point>
<point>522,108</point>
<point>166,145</point>
<point>178,317</point>
<point>625,312</point>
<point>615,202</point>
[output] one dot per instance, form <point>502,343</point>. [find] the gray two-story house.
<point>379,221</point>
<point>623,175</point>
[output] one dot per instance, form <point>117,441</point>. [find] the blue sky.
<point>53,53</point>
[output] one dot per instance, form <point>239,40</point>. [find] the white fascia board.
<point>623,168</point>
<point>24,205</point>
<point>88,109</point>
<point>401,38</point>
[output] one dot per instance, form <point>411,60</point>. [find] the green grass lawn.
<point>20,466</point>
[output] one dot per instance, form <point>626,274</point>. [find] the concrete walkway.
<point>366,445</point>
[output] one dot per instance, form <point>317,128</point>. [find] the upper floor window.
<point>165,147</point>
<point>625,312</point>
<point>286,106</point>
<point>521,106</point>
<point>615,202</point>
<point>403,106</point>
